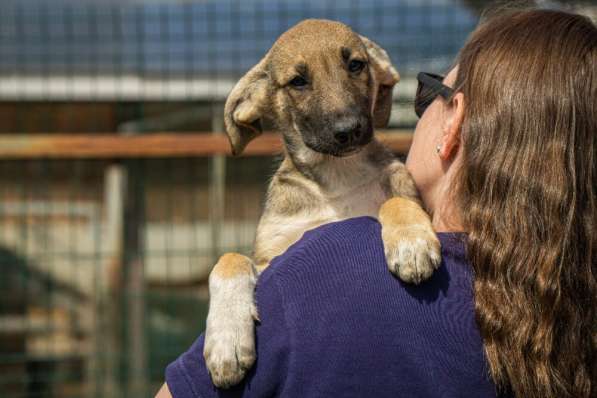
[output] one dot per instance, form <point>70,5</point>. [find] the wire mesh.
<point>104,261</point>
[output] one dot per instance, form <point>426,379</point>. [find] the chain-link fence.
<point>105,246</point>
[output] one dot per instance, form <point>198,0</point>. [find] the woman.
<point>506,151</point>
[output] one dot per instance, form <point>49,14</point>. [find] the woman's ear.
<point>452,127</point>
<point>245,106</point>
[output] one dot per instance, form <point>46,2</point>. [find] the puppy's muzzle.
<point>351,133</point>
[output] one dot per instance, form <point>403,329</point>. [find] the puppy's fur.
<point>324,87</point>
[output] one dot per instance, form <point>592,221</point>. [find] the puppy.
<point>324,88</point>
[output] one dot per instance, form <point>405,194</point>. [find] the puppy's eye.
<point>355,66</point>
<point>298,82</point>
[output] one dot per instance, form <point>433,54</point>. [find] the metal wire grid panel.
<point>104,267</point>
<point>133,50</point>
<point>104,261</point>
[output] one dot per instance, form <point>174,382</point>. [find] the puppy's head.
<point>324,86</point>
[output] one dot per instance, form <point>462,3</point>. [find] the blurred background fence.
<point>117,194</point>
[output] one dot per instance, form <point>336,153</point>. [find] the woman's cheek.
<point>422,161</point>
<point>415,163</point>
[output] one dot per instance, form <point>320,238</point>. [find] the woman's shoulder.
<point>345,234</point>
<point>345,262</point>
<point>341,302</point>
<point>316,253</point>
<point>355,245</point>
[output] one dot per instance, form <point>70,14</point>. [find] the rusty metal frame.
<point>112,146</point>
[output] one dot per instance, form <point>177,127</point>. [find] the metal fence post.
<point>112,288</point>
<point>217,188</point>
<point>134,281</point>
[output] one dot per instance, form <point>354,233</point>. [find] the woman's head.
<point>434,154</point>
<point>522,176</point>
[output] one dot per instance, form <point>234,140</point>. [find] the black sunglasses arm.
<point>435,82</point>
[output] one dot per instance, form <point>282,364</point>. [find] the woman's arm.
<point>164,392</point>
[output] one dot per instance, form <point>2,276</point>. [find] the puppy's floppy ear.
<point>385,76</point>
<point>245,106</point>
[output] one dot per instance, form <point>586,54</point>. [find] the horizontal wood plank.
<point>102,146</point>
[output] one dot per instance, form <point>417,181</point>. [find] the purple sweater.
<point>336,323</point>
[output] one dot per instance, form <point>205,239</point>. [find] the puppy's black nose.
<point>347,131</point>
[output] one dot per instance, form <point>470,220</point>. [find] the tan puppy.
<point>324,88</point>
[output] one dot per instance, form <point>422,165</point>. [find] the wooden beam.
<point>81,146</point>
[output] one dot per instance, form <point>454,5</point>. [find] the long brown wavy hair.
<point>527,187</point>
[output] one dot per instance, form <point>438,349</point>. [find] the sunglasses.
<point>430,86</point>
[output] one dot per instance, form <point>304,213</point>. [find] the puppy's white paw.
<point>229,349</point>
<point>412,251</point>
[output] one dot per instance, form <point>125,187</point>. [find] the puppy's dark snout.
<point>347,131</point>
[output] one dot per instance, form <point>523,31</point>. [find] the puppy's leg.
<point>229,349</point>
<point>411,247</point>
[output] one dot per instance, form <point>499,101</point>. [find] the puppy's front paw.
<point>412,251</point>
<point>229,349</point>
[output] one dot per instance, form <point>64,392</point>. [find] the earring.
<point>438,148</point>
